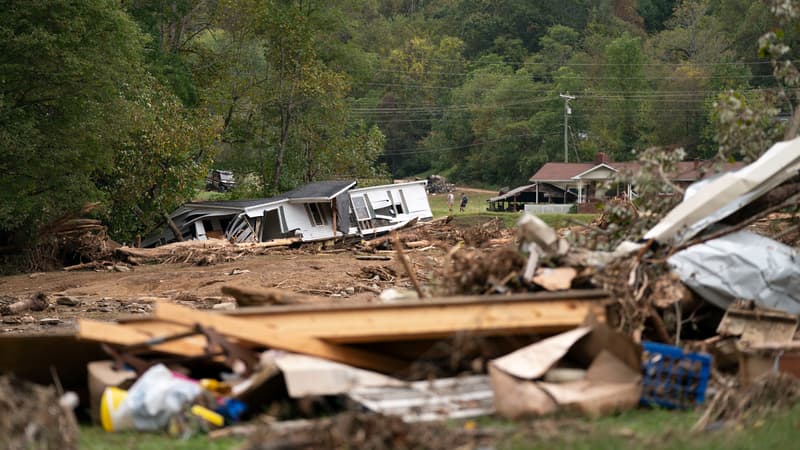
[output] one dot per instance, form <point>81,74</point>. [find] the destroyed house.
<point>315,211</point>
<point>377,209</point>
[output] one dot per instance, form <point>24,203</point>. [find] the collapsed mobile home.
<point>316,211</point>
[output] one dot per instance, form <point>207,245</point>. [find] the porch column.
<point>537,193</point>
<point>580,191</point>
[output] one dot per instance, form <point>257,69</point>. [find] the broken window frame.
<point>316,214</point>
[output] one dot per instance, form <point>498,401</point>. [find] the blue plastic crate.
<point>673,378</point>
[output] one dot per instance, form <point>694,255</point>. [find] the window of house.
<point>318,213</point>
<point>360,208</point>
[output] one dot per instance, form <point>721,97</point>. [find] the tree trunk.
<point>175,230</point>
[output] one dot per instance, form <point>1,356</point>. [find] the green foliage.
<point>655,12</point>
<point>290,91</point>
<point>63,65</point>
<point>160,158</point>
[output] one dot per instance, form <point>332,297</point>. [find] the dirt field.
<point>108,295</point>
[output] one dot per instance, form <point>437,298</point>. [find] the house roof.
<point>388,186</point>
<point>557,171</point>
<point>543,188</point>
<point>319,190</point>
<point>237,204</point>
<point>686,170</point>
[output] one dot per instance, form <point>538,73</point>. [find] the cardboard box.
<point>612,382</point>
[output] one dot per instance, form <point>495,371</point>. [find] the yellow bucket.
<point>109,403</point>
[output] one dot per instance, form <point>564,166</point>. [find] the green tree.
<point>160,156</point>
<point>63,65</point>
<point>617,129</point>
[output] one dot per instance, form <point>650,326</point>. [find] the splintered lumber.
<point>527,313</point>
<point>257,333</point>
<point>112,333</point>
<point>246,296</point>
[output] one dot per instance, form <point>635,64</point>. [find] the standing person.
<point>450,200</point>
<point>463,201</point>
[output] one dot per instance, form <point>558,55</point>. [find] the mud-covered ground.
<point>111,294</point>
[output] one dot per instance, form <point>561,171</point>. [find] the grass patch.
<point>209,196</point>
<point>476,212</point>
<point>666,430</point>
<point>633,430</point>
<point>95,438</point>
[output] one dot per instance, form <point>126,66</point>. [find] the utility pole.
<point>567,112</point>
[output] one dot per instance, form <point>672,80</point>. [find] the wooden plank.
<point>252,331</point>
<point>481,315</point>
<point>112,333</point>
<point>533,313</point>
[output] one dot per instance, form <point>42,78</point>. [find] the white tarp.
<point>728,193</point>
<point>742,265</point>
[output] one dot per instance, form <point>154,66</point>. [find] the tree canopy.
<point>130,103</point>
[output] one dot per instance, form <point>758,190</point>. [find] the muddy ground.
<point>109,294</point>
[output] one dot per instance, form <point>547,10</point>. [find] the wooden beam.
<point>112,333</point>
<point>257,333</point>
<point>535,313</point>
<point>546,312</point>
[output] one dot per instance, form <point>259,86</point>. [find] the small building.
<point>516,199</point>
<point>316,211</point>
<point>587,182</point>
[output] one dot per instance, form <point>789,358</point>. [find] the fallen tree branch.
<point>398,246</point>
<point>268,296</point>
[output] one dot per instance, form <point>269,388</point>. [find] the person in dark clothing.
<point>463,201</point>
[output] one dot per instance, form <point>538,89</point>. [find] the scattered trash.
<point>156,396</point>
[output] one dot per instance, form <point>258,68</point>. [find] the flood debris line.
<point>202,253</point>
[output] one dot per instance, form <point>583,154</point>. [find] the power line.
<point>605,64</point>
<point>421,150</point>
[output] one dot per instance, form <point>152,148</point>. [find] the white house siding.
<point>297,218</point>
<point>411,196</point>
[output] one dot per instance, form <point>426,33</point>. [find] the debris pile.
<point>438,184</point>
<point>696,311</point>
<point>71,240</point>
<point>35,417</point>
<point>441,233</point>
<point>201,253</point>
